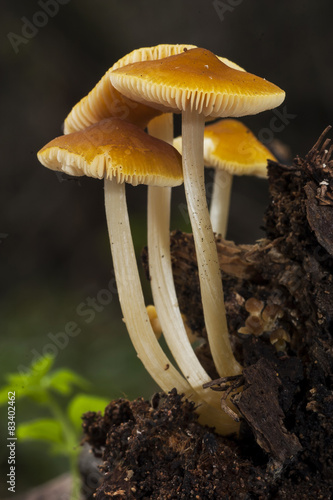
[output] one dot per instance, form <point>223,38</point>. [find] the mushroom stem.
<point>219,207</point>
<point>130,292</point>
<point>208,265</point>
<point>162,282</point>
<point>135,314</point>
<point>165,298</point>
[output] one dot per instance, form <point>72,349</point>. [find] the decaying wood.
<point>259,404</point>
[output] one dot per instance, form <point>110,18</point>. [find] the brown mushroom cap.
<point>196,80</point>
<point>104,101</point>
<point>231,146</point>
<point>116,149</point>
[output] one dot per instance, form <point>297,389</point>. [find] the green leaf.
<point>32,375</point>
<point>26,377</point>
<point>64,380</point>
<point>43,365</point>
<point>28,381</point>
<point>36,393</point>
<point>82,403</point>
<point>46,429</point>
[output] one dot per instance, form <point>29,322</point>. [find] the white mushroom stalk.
<point>208,265</point>
<point>162,282</point>
<point>220,202</point>
<point>130,291</point>
<point>221,193</point>
<point>135,314</point>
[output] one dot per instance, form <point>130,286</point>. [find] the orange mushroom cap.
<point>231,146</point>
<point>198,80</point>
<point>116,149</point>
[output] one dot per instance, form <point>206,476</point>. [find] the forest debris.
<point>259,405</point>
<point>233,259</point>
<point>319,191</point>
<point>320,218</point>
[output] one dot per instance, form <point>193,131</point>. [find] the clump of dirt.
<point>159,450</point>
<point>279,301</point>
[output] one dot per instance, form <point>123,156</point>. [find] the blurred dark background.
<point>54,248</point>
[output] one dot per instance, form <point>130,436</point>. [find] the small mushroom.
<point>120,152</point>
<point>154,321</point>
<point>232,149</point>
<point>254,323</point>
<point>261,319</point>
<point>198,84</point>
<point>279,339</point>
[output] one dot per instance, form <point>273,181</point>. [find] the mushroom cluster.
<point>105,138</point>
<point>265,320</point>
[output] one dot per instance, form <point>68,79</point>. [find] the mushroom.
<point>120,152</point>
<point>154,321</point>
<point>261,318</point>
<point>279,338</point>
<point>232,149</point>
<point>198,84</point>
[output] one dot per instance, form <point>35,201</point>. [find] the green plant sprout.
<point>62,430</point>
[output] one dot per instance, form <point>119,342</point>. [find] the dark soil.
<point>279,300</point>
